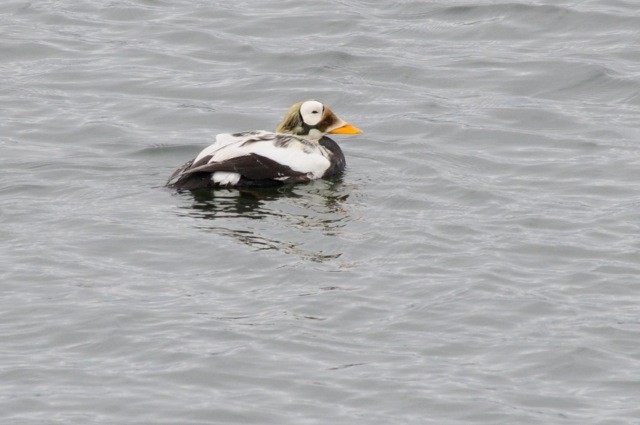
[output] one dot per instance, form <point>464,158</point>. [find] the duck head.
<point>312,119</point>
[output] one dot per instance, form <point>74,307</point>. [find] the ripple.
<point>476,263</point>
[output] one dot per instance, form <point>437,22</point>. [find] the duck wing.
<point>251,166</point>
<point>225,139</point>
<point>256,156</point>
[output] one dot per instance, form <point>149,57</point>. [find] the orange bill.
<point>346,129</point>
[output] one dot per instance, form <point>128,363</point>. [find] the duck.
<point>297,152</point>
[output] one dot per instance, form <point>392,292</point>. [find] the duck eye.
<point>314,112</point>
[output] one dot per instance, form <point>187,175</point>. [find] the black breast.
<point>338,162</point>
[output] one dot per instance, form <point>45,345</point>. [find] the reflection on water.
<point>304,220</point>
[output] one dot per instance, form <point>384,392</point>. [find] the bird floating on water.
<point>299,151</point>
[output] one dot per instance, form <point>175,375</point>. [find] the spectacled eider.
<point>297,152</point>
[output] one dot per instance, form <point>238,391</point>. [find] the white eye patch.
<point>311,112</point>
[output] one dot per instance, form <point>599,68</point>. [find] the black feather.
<point>255,170</point>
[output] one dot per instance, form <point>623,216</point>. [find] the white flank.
<point>293,155</point>
<point>224,178</point>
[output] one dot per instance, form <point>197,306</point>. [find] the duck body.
<point>259,158</point>
<point>297,152</point>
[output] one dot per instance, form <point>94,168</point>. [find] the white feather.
<point>224,139</point>
<point>311,112</point>
<point>298,154</point>
<point>224,178</point>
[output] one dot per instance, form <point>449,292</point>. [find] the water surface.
<point>477,263</point>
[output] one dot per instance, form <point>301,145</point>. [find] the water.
<point>477,263</point>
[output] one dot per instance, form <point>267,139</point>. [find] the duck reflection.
<point>290,219</point>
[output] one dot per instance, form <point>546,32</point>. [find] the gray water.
<point>478,262</point>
